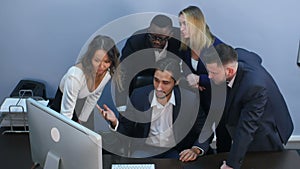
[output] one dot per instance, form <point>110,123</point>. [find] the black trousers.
<point>56,104</point>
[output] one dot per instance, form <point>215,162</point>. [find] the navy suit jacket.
<point>256,115</point>
<point>141,52</point>
<point>188,117</point>
<point>140,40</point>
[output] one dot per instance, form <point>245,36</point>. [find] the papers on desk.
<point>16,104</point>
<point>12,112</point>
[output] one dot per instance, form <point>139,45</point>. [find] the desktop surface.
<point>15,153</point>
<point>287,159</point>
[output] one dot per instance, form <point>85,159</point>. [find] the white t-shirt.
<point>194,64</point>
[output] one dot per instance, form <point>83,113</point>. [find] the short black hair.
<point>162,21</point>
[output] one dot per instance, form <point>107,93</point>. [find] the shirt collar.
<point>163,49</point>
<point>230,83</point>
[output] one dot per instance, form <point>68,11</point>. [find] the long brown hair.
<point>100,42</point>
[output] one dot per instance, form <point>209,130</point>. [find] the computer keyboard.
<point>133,166</point>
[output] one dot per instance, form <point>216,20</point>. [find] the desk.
<point>288,159</point>
<point>15,153</point>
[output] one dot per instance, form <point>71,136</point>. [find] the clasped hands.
<point>194,80</point>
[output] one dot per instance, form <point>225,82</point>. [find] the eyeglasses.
<point>153,37</point>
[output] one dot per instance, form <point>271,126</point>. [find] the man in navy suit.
<point>161,36</point>
<point>147,46</point>
<point>163,119</point>
<point>255,117</point>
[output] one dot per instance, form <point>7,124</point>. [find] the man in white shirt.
<point>163,119</point>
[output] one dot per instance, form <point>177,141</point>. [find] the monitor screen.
<point>57,142</point>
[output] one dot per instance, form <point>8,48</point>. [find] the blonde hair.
<point>200,36</point>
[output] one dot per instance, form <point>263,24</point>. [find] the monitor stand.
<point>52,161</point>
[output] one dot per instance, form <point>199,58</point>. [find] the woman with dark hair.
<point>86,79</point>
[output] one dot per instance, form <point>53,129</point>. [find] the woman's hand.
<point>194,81</point>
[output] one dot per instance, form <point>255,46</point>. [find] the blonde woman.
<point>195,37</point>
<point>87,79</point>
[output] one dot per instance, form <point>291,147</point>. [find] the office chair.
<point>29,88</point>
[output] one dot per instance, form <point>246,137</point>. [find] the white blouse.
<point>73,86</point>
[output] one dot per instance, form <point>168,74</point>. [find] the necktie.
<point>225,115</point>
<point>228,92</point>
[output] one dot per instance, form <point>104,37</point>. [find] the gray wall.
<point>42,39</point>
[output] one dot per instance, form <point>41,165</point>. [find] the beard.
<point>161,94</point>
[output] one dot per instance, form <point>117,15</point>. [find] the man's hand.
<point>189,154</point>
<point>108,115</point>
<point>224,166</point>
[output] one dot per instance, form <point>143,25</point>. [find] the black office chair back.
<point>143,78</point>
<point>29,88</point>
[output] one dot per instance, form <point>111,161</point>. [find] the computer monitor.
<point>57,142</point>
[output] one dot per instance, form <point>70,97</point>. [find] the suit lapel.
<point>148,115</point>
<point>234,89</point>
<point>176,110</point>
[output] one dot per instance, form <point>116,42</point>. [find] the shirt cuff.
<point>121,108</point>
<point>201,150</point>
<point>116,127</point>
